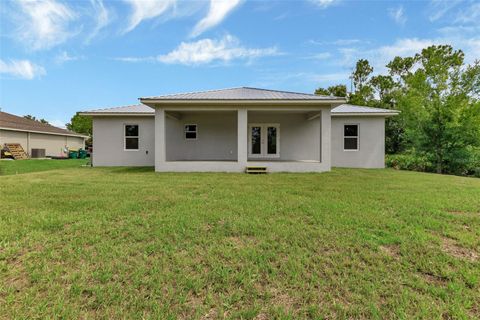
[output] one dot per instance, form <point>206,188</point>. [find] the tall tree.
<point>339,90</point>
<point>439,101</point>
<point>363,91</point>
<point>80,124</point>
<point>30,117</point>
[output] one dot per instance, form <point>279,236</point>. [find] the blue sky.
<point>59,57</point>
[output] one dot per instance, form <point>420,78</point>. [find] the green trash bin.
<point>73,154</point>
<point>82,154</point>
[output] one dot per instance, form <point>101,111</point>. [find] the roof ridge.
<point>368,107</point>
<point>191,92</point>
<point>118,107</point>
<point>292,92</point>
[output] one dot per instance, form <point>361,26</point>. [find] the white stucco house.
<point>232,129</point>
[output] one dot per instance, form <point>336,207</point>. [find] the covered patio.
<point>280,138</point>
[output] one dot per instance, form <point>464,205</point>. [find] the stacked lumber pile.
<point>16,150</point>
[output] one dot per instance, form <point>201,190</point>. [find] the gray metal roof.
<point>352,109</point>
<point>242,93</point>
<point>141,109</point>
<point>131,109</point>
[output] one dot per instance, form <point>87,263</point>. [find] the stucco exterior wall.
<point>53,144</point>
<point>7,136</point>
<point>319,126</point>
<point>371,151</point>
<point>216,137</point>
<point>299,137</point>
<point>109,143</point>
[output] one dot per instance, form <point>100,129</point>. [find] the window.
<point>190,132</point>
<point>131,137</point>
<point>350,137</point>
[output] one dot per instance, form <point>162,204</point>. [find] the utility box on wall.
<point>38,153</point>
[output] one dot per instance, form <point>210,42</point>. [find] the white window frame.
<point>357,136</point>
<point>263,142</point>
<point>185,131</point>
<point>125,136</point>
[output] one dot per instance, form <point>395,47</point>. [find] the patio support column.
<point>160,156</point>
<point>325,138</point>
<point>242,136</point>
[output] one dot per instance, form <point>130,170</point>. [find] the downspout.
<point>28,144</point>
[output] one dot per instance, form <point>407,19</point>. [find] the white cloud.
<point>43,23</point>
<point>206,51</point>
<point>135,59</point>
<point>324,3</point>
<point>57,123</point>
<point>64,56</point>
<point>23,69</point>
<point>219,9</point>
<point>398,15</point>
<point>470,15</point>
<point>438,8</point>
<point>321,56</point>
<point>380,56</point>
<point>339,42</point>
<point>147,9</point>
<point>102,18</point>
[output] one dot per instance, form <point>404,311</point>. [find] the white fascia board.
<point>43,132</point>
<point>153,102</point>
<point>364,114</point>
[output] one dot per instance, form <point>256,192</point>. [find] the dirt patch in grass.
<point>261,316</point>
<point>433,279</point>
<point>451,247</point>
<point>463,213</point>
<point>391,250</point>
<point>19,280</point>
<point>242,242</point>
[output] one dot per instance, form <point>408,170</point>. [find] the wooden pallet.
<point>257,170</point>
<point>16,150</point>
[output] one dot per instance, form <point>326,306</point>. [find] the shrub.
<point>409,161</point>
<point>465,164</point>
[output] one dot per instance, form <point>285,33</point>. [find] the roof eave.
<point>99,114</point>
<point>152,101</point>
<point>365,114</point>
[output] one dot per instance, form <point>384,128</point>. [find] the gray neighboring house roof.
<point>242,93</point>
<point>143,110</point>
<point>12,122</point>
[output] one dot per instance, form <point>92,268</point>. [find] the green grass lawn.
<point>131,243</point>
<point>8,167</point>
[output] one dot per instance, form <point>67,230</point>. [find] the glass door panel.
<point>256,140</point>
<point>272,140</point>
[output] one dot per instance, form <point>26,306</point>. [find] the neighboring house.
<point>33,134</point>
<point>230,129</point>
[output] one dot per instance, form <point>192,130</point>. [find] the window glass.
<point>272,140</point>
<point>351,130</point>
<point>131,143</point>
<point>131,130</point>
<point>256,140</point>
<point>191,131</point>
<point>351,143</point>
<point>350,140</point>
<point>131,137</point>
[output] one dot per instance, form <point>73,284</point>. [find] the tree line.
<point>438,95</point>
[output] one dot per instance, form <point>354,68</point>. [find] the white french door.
<point>263,140</point>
